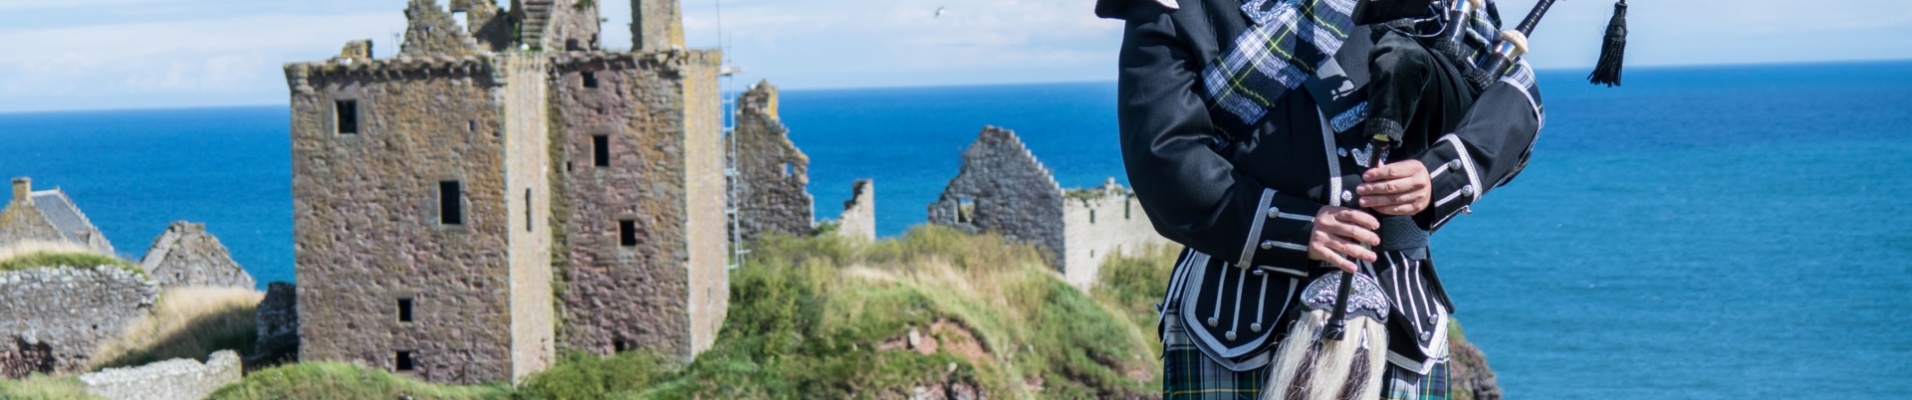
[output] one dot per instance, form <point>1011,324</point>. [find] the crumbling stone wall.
<point>662,175</point>
<point>175,379</point>
<point>773,176</point>
<point>185,255</point>
<point>278,319</point>
<point>1101,222</point>
<point>367,216</point>
<point>1003,189</point>
<point>858,220</point>
<point>486,23</point>
<point>65,313</point>
<point>431,31</point>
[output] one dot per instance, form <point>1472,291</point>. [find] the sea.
<point>1721,232</point>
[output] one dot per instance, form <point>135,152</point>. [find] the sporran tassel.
<point>1607,72</point>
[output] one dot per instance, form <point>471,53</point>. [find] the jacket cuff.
<point>1456,182</point>
<point>1278,235</point>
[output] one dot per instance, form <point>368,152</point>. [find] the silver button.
<point>1426,336</point>
<point>1230,335</point>
<point>1255,327</point>
<point>1267,244</point>
<point>1212,321</point>
<point>1273,212</point>
<point>1258,272</point>
<point>1342,151</point>
<point>1454,165</point>
<point>1347,196</point>
<point>1467,190</point>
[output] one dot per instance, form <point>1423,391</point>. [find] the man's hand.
<point>1401,188</point>
<point>1339,233</point>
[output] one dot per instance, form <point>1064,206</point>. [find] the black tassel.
<point>1607,72</point>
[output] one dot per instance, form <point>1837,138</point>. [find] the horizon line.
<point>999,83</point>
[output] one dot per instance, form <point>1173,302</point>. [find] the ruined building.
<point>503,190</point>
<point>1003,189</point>
<point>775,195</point>
<point>858,220</point>
<point>185,255</point>
<point>47,216</point>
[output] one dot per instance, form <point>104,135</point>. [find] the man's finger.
<point>1358,218</point>
<point>1390,171</point>
<point>1380,201</point>
<point>1333,258</point>
<point>1350,232</point>
<point>1352,250</point>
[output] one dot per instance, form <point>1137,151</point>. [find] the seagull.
<point>939,12</point>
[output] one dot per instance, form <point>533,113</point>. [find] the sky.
<point>111,54</point>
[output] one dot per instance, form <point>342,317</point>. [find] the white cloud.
<point>234,60</point>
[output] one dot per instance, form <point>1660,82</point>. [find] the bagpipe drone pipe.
<point>1337,348</point>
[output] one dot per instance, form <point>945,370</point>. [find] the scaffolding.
<point>733,186</point>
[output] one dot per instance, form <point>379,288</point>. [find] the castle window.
<point>461,18</point>
<point>1092,216</point>
<point>572,45</point>
<point>402,361</point>
<point>965,210</point>
<point>627,232</point>
<point>590,79</point>
<point>527,209</point>
<point>347,113</point>
<point>1127,212</point>
<point>451,203</point>
<point>786,170</point>
<point>471,125</point>
<point>405,309</point>
<point>601,150</point>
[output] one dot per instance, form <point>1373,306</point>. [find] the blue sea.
<point>1701,233</point>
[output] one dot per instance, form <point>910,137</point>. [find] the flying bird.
<point>939,12</point>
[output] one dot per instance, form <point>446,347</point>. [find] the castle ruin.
<point>491,197</point>
<point>776,175</point>
<point>1003,189</point>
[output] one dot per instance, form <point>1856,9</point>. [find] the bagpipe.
<point>1337,347</point>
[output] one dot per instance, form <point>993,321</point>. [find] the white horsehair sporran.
<point>1316,364</point>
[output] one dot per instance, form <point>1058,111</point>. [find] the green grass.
<point>330,380</point>
<point>1133,283</point>
<point>827,317</point>
<point>49,259</point>
<point>42,387</point>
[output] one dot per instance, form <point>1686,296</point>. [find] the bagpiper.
<point>1246,134</point>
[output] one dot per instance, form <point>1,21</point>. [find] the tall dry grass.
<point>186,323</point>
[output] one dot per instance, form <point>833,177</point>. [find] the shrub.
<point>42,387</point>
<point>186,323</point>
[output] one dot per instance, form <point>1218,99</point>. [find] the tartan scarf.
<point>1291,39</point>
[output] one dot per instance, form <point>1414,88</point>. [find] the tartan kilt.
<point>1187,374</point>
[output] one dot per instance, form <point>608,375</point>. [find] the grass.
<point>828,317</point>
<point>1133,283</point>
<point>186,323</point>
<point>331,380</point>
<point>26,255</point>
<point>42,387</point>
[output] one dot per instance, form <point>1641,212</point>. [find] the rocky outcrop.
<point>185,255</point>
<point>176,379</point>
<point>53,319</point>
<point>1469,378</point>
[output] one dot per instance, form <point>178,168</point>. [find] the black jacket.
<point>1241,196</point>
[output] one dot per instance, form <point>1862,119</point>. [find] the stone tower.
<point>656,25</point>
<point>455,205</point>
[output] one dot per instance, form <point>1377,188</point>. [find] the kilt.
<point>1187,374</point>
